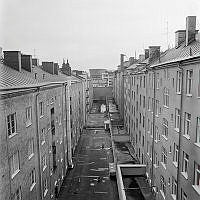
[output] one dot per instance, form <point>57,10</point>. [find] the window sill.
<point>162,193</point>
<point>155,166</point>
<point>173,196</point>
<point>196,188</point>
<point>15,173</point>
<point>176,129</point>
<point>32,186</point>
<point>164,137</point>
<point>187,137</point>
<point>43,142</point>
<point>28,124</point>
<point>44,168</point>
<point>197,144</point>
<point>175,164</point>
<point>189,95</point>
<point>45,192</point>
<point>179,93</point>
<point>41,116</point>
<point>185,175</point>
<point>164,166</point>
<point>10,136</point>
<point>31,156</point>
<point>166,106</point>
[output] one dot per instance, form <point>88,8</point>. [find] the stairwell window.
<point>187,124</point>
<point>11,125</point>
<point>28,116</point>
<point>41,109</point>
<point>164,157</point>
<point>166,97</point>
<point>174,187</point>
<point>177,119</point>
<point>30,148</point>
<point>189,76</point>
<point>162,186</point>
<point>44,162</point>
<point>33,179</point>
<point>175,155</point>
<point>14,164</point>
<point>198,131</point>
<point>178,82</point>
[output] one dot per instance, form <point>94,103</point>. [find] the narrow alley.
<point>89,179</point>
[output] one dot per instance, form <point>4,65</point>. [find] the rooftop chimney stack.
<point>13,59</point>
<point>154,52</point>
<point>190,29</point>
<point>131,60</point>
<point>26,61</point>
<point>179,37</point>
<point>56,68</point>
<point>48,67</point>
<point>122,60</point>
<point>146,53</point>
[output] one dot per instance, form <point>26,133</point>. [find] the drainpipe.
<point>180,134</point>
<point>38,141</point>
<point>152,149</point>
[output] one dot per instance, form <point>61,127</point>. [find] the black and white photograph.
<point>100,100</point>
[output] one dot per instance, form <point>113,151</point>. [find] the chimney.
<point>131,60</point>
<point>13,59</point>
<point>179,37</point>
<point>121,60</point>
<point>154,52</point>
<point>146,53</point>
<point>141,57</point>
<point>56,67</point>
<point>48,67</point>
<point>190,29</point>
<point>35,62</point>
<point>26,62</point>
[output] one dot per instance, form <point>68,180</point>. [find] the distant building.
<point>66,69</point>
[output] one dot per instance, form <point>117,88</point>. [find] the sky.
<point>91,33</point>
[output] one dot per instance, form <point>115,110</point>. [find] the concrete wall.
<point>101,92</point>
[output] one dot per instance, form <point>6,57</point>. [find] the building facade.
<point>161,114</point>
<point>39,105</point>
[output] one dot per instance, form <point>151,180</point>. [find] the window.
<point>187,123</point>
<point>140,99</point>
<point>157,108</point>
<point>28,116</point>
<point>166,97</point>
<point>41,108</point>
<point>156,134</point>
<point>165,127</point>
<point>18,194</point>
<point>174,186</point>
<point>14,164</point>
<point>185,163</point>
<point>175,154</point>
<point>177,119</point>
<point>33,179</point>
<point>197,176</point>
<point>143,101</point>
<point>178,81</point>
<point>189,74</point>
<point>198,93</point>
<point>11,124</point>
<point>183,195</point>
<point>152,104</point>
<point>157,81</point>
<point>163,185</point>
<point>164,156</point>
<point>149,99</point>
<point>144,81</point>
<point>148,147</point>
<point>45,187</point>
<point>30,148</point>
<point>148,125</point>
<point>198,130</point>
<point>44,162</point>
<point>43,135</point>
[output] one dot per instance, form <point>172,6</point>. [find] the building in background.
<point>159,100</point>
<point>42,116</point>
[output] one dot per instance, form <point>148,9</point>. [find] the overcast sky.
<point>91,33</point>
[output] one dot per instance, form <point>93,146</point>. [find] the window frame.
<point>189,77</point>
<point>11,125</point>
<point>28,111</point>
<point>14,164</point>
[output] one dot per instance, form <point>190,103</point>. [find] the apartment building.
<point>36,136</point>
<point>161,113</point>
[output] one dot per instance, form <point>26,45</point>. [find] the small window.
<point>44,162</point>
<point>11,124</point>
<point>165,127</point>
<point>33,179</point>
<point>175,154</point>
<point>177,119</point>
<point>174,187</point>
<point>178,81</point>
<point>41,109</point>
<point>45,187</point>
<point>18,194</point>
<point>43,136</point>
<point>189,76</point>
<point>28,116</point>
<point>187,123</point>
<point>197,175</point>
<point>30,148</point>
<point>198,130</point>
<point>185,163</point>
<point>14,164</point>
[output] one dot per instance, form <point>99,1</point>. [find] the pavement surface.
<point>89,179</point>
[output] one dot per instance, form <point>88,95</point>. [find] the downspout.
<point>38,141</point>
<point>180,134</point>
<point>152,149</point>
<point>66,118</point>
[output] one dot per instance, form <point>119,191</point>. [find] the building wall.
<point>102,93</point>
